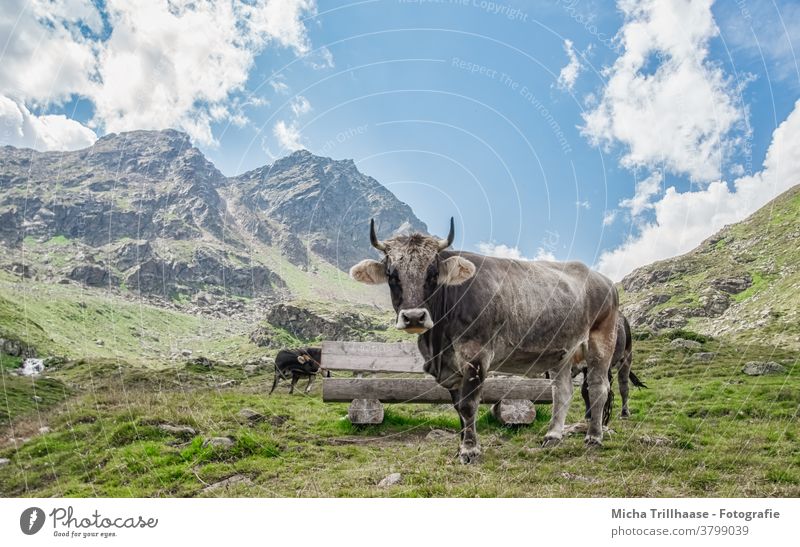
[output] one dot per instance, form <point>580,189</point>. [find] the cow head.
<point>414,269</point>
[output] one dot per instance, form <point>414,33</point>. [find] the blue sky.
<point>612,134</point>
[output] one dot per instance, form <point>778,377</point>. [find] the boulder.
<point>704,356</point>
<point>249,415</point>
<point>682,343</point>
<point>219,442</point>
<point>390,480</point>
<point>760,368</point>
<point>178,430</point>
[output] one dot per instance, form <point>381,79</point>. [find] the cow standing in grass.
<point>622,360</point>
<point>476,313</point>
<point>299,363</point>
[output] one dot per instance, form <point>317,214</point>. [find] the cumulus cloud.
<point>501,250</point>
<point>684,219</point>
<point>45,56</point>
<point>20,128</point>
<point>288,135</point>
<point>149,64</point>
<point>569,74</point>
<point>176,65</point>
<point>665,102</point>
<point>645,190</point>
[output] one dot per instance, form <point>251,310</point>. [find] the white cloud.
<point>20,128</point>
<point>300,105</point>
<point>45,56</point>
<point>645,190</point>
<point>684,219</point>
<point>288,135</point>
<point>279,86</point>
<point>152,64</point>
<point>609,217</point>
<point>665,102</point>
<point>583,204</point>
<point>155,74</point>
<point>569,73</point>
<point>504,251</point>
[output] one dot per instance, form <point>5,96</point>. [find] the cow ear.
<point>369,271</point>
<point>455,270</point>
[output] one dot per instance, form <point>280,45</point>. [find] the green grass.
<point>719,433</point>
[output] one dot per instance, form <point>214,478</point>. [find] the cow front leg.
<point>467,407</point>
<point>310,381</point>
<point>562,395</point>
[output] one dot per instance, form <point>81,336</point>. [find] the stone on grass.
<point>219,442</point>
<point>682,343</point>
<point>178,430</point>
<point>4,462</point>
<point>704,356</point>
<point>760,368</point>
<point>391,480</point>
<point>228,483</point>
<point>251,416</point>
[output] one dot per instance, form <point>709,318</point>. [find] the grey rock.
<point>681,343</point>
<point>44,429</point>
<point>178,430</point>
<point>37,399</point>
<point>704,356</point>
<point>733,285</point>
<point>760,368</point>
<point>228,483</point>
<point>251,416</point>
<point>219,442</point>
<point>4,462</point>
<point>390,480</point>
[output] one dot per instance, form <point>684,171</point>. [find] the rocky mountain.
<point>743,281</point>
<point>325,203</point>
<point>146,212</point>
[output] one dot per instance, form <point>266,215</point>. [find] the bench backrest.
<point>372,356</point>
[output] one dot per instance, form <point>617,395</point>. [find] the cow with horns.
<point>477,313</point>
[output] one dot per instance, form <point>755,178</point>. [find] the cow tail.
<point>635,380</point>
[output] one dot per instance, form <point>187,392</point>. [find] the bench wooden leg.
<point>365,411</point>
<point>514,412</point>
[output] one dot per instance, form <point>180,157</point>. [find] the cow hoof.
<point>469,455</point>
<point>625,414</point>
<point>550,442</point>
<point>593,441</point>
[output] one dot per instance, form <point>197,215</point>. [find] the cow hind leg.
<point>562,395</point>
<point>295,377</point>
<point>585,394</point>
<point>600,352</point>
<point>624,376</point>
<point>275,381</point>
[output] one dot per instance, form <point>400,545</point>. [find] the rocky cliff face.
<point>145,211</point>
<point>744,280</point>
<point>325,203</point>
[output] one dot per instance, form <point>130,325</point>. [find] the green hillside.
<point>743,282</point>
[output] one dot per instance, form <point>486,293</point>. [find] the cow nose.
<point>417,318</point>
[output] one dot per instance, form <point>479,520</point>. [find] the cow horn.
<point>378,244</point>
<point>445,243</point>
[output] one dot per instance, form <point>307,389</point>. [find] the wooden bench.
<point>511,397</point>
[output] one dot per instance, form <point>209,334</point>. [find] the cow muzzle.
<point>414,321</point>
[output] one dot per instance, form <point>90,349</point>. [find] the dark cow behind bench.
<point>300,363</point>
